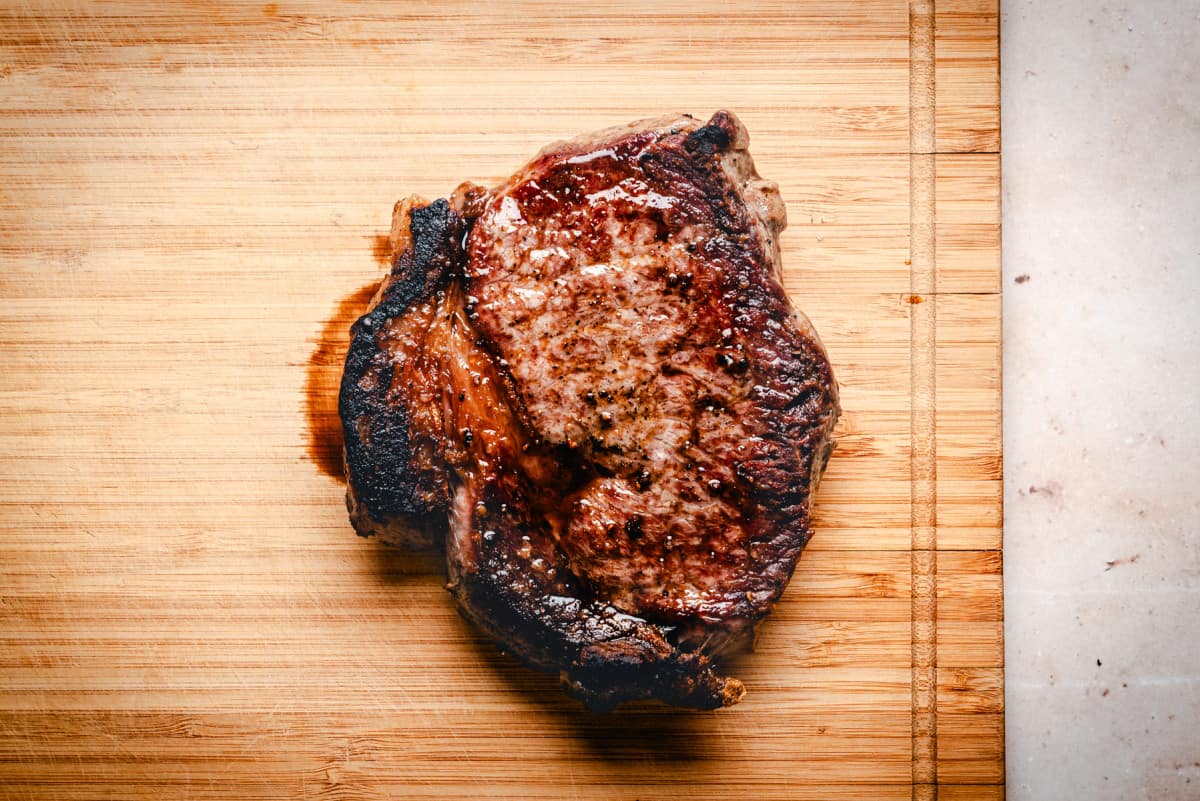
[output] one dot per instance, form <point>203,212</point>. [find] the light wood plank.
<point>190,202</point>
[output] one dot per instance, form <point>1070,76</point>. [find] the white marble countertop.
<point>1101,172</point>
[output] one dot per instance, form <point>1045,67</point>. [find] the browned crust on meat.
<point>708,427</point>
<point>397,480</point>
<point>515,584</point>
<point>608,398</point>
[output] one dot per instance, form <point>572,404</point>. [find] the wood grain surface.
<point>191,200</point>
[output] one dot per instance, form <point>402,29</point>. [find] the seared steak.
<point>591,381</point>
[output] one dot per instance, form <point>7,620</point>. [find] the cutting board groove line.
<point>922,349</point>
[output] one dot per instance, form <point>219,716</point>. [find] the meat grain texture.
<point>590,386</point>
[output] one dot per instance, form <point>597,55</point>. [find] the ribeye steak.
<point>590,385</point>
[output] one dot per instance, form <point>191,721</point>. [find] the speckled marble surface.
<point>1101,173</point>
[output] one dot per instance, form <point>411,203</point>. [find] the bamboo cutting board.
<point>192,200</point>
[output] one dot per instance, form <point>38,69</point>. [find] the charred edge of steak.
<point>793,378</point>
<point>375,417</point>
<point>707,140</point>
<point>603,657</point>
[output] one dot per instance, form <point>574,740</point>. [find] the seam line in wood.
<point>922,364</point>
